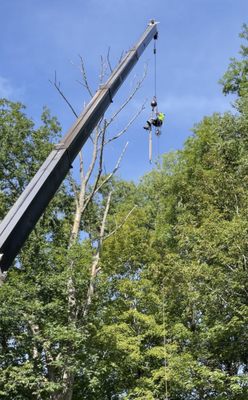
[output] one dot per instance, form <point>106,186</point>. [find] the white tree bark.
<point>83,197</point>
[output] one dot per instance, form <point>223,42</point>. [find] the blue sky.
<point>196,40</point>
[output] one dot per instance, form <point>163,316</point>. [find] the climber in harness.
<point>156,119</point>
<point>157,122</point>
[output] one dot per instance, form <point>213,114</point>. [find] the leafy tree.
<point>235,80</point>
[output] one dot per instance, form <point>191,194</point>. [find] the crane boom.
<point>22,217</point>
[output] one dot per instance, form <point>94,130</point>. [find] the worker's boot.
<point>148,126</point>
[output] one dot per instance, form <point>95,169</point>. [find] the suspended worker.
<point>157,122</point>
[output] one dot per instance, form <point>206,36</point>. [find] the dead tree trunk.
<point>84,194</point>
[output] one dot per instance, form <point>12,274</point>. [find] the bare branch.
<point>102,70</point>
<point>57,87</point>
<point>85,82</point>
<point>108,60</point>
<point>81,165</point>
<point>121,57</point>
<point>121,224</point>
<point>114,170</point>
<point>127,126</point>
<point>95,153</point>
<point>100,157</point>
<point>82,202</point>
<point>136,88</point>
<point>103,224</point>
<point>94,189</point>
<point>95,264</point>
<point>75,191</point>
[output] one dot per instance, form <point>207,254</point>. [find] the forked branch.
<point>84,82</point>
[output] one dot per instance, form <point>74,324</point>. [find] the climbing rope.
<point>164,344</point>
<point>158,148</point>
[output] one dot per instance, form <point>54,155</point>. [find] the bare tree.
<point>92,180</point>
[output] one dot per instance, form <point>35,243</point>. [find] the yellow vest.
<point>161,116</point>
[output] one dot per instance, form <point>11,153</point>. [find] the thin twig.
<point>57,87</point>
<point>121,57</point>
<point>114,170</point>
<point>121,224</point>
<point>136,88</point>
<point>108,60</point>
<point>85,82</point>
<point>97,188</point>
<point>102,70</point>
<point>127,126</point>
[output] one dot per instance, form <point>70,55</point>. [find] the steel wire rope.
<point>155,68</point>
<point>155,93</point>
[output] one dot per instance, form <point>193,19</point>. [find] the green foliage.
<point>23,148</point>
<point>235,80</point>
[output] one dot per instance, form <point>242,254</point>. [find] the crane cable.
<point>154,98</point>
<point>155,90</point>
<point>155,68</point>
